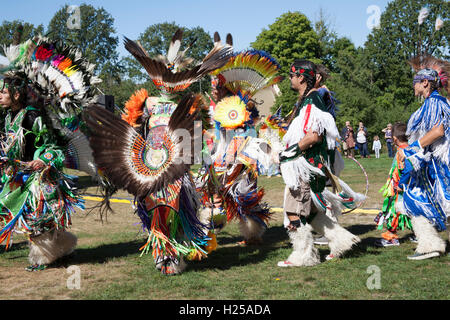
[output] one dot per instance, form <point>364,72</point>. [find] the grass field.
<point>108,261</point>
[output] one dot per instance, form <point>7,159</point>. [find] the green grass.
<point>234,272</point>
<point>111,267</point>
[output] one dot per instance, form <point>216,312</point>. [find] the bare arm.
<point>432,135</point>
<point>310,139</point>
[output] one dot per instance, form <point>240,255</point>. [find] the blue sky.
<point>243,19</point>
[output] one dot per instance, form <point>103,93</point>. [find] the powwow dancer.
<point>230,190</point>
<point>144,153</point>
<point>305,167</point>
<point>392,191</point>
<point>426,197</point>
<point>45,88</point>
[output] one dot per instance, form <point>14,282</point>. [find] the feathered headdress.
<point>175,59</point>
<point>141,166</point>
<point>54,70</point>
<point>247,72</point>
<point>424,64</point>
<point>441,67</point>
<point>164,71</point>
<point>65,81</point>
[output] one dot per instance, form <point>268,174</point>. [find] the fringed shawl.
<point>434,111</point>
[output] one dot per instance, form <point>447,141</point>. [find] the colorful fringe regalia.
<point>239,155</point>
<point>33,202</point>
<point>314,164</point>
<point>40,203</point>
<point>390,215</point>
<point>147,153</point>
<point>307,171</point>
<point>60,74</point>
<point>428,192</point>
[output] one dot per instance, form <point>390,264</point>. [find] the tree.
<point>8,28</point>
<point>290,37</point>
<point>89,29</point>
<point>400,37</point>
<point>383,73</point>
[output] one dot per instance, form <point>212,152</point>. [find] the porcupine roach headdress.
<point>142,167</point>
<point>424,64</point>
<point>65,80</point>
<point>244,74</point>
<point>165,72</point>
<point>442,68</point>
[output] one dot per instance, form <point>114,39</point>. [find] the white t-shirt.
<point>361,137</point>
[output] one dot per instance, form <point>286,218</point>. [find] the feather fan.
<point>139,166</point>
<point>78,154</point>
<point>248,72</point>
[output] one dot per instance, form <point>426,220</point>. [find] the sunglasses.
<point>292,74</point>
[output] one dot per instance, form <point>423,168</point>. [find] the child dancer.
<point>398,176</point>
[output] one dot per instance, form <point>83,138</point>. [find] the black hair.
<point>310,83</point>
<point>323,71</point>
<point>399,131</point>
<point>17,84</point>
<point>434,85</point>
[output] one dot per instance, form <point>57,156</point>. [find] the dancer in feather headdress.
<point>239,156</point>
<point>305,167</point>
<point>44,89</point>
<point>426,197</point>
<point>150,150</point>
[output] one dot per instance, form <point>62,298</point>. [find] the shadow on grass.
<point>361,249</point>
<point>360,229</point>
<point>17,246</point>
<point>271,236</point>
<point>84,182</point>
<point>100,254</point>
<point>227,257</point>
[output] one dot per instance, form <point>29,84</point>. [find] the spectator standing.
<point>349,139</point>
<point>344,144</point>
<point>388,136</point>
<point>361,140</point>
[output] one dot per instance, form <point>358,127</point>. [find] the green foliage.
<point>290,37</point>
<point>95,37</point>
<point>287,99</point>
<point>331,45</point>
<point>8,28</point>
<point>374,83</point>
<point>400,37</point>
